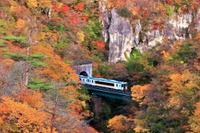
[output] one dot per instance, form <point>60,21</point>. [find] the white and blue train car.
<point>112,84</point>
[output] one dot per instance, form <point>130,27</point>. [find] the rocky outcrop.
<point>122,37</point>
<point>105,18</point>
<point>176,28</point>
<point>117,32</point>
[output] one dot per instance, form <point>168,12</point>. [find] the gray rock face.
<point>105,18</point>
<point>177,28</point>
<point>121,38</point>
<point>117,32</point>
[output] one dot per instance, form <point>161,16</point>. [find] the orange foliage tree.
<point>55,68</point>
<point>118,124</point>
<point>30,97</point>
<point>144,94</point>
<point>20,117</point>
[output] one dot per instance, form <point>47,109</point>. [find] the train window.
<point>87,80</point>
<point>103,83</point>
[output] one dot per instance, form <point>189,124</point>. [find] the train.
<point>101,82</point>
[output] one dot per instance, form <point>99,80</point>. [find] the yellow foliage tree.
<point>69,92</point>
<point>39,3</point>
<point>32,3</point>
<point>183,81</point>
<point>195,119</point>
<point>44,3</point>
<point>139,127</point>
<point>141,93</point>
<point>81,37</point>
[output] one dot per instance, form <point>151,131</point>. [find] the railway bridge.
<point>85,68</point>
<point>108,92</point>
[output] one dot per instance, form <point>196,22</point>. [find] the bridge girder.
<point>106,92</point>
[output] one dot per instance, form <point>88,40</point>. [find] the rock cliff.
<point>122,37</point>
<point>118,33</point>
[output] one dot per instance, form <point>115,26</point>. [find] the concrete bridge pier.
<point>97,103</point>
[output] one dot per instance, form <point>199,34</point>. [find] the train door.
<point>124,87</point>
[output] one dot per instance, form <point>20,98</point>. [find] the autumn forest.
<point>41,40</point>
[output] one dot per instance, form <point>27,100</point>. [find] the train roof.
<point>104,80</point>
